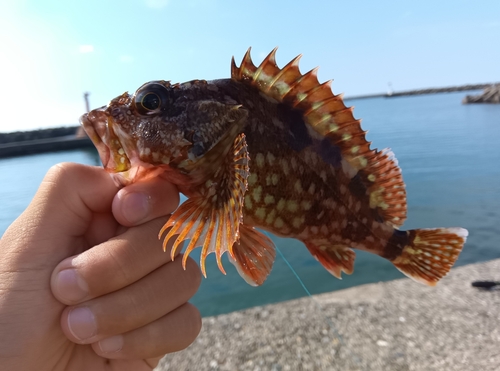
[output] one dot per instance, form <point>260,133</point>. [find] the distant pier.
<point>449,89</point>
<point>491,94</point>
<point>46,140</point>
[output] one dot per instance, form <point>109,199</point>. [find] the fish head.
<point>163,127</point>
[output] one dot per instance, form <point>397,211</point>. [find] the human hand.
<point>127,304</point>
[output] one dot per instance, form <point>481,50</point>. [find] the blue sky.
<point>53,51</point>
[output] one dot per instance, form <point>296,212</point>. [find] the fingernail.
<point>112,344</point>
<point>81,323</point>
<point>135,207</point>
<point>70,286</point>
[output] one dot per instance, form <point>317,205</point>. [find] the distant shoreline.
<point>448,89</point>
<point>21,143</point>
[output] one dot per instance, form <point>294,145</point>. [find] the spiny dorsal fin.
<point>327,114</point>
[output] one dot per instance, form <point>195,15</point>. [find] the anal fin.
<point>212,217</point>
<point>253,255</point>
<point>335,259</point>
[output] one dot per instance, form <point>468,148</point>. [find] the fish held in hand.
<point>274,149</point>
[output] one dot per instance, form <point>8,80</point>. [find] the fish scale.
<point>269,149</point>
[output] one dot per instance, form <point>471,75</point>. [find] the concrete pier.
<point>44,145</point>
<point>393,326</point>
<point>491,94</point>
<point>21,143</point>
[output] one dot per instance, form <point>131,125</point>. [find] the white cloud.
<point>156,4</point>
<point>86,49</point>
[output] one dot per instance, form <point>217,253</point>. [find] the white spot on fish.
<point>256,194</point>
<point>284,166</point>
<point>259,160</point>
<point>357,207</point>
<point>331,127</point>
<point>270,158</point>
<point>292,206</point>
<point>298,186</point>
<point>268,179</point>
<point>312,188</point>
<point>269,199</point>
<point>346,137</point>
<point>270,217</point>
<point>306,205</point>
<point>322,175</point>
<point>298,221</point>
<point>278,123</point>
<point>348,170</point>
<point>281,204</point>
<point>278,223</point>
<point>252,179</point>
<point>248,202</point>
<point>260,213</point>
<point>275,178</point>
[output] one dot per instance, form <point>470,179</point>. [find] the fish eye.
<point>151,101</point>
<point>151,98</point>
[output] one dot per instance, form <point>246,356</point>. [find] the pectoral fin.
<point>212,218</point>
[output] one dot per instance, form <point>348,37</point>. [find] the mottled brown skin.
<point>299,186</point>
<point>292,191</point>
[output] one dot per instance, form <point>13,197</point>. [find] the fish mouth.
<point>99,127</point>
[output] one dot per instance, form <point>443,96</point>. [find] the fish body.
<point>271,149</point>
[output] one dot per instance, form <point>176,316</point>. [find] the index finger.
<point>141,202</point>
<point>111,265</point>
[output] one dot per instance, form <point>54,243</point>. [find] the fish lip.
<point>95,127</point>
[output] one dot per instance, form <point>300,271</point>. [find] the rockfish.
<point>271,149</point>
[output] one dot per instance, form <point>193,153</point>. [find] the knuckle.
<point>193,322</point>
<point>120,260</point>
<point>59,173</point>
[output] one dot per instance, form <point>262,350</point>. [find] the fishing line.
<point>330,323</point>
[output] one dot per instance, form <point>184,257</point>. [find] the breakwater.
<point>491,94</point>
<point>21,143</point>
<point>448,89</point>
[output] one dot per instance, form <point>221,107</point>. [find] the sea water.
<point>450,157</point>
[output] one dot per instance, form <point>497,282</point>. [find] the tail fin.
<point>430,253</point>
